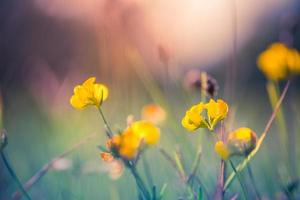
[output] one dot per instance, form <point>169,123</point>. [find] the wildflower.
<point>134,138</point>
<point>216,111</point>
<point>193,118</point>
<point>279,61</point>
<point>205,115</point>
<point>239,142</point>
<point>153,113</point>
<point>89,93</point>
<point>115,169</point>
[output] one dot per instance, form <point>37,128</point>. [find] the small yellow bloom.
<point>146,131</point>
<point>153,113</point>
<point>137,135</point>
<point>216,111</point>
<point>278,62</point>
<point>89,93</point>
<point>222,150</point>
<point>193,118</point>
<point>293,61</point>
<point>205,115</point>
<point>241,141</point>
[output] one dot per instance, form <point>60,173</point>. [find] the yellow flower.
<point>153,113</point>
<point>205,115</point>
<point>222,150</point>
<point>146,131</point>
<point>89,93</point>
<point>278,61</point>
<point>216,111</point>
<point>137,135</point>
<point>193,118</point>
<point>293,61</point>
<point>241,141</point>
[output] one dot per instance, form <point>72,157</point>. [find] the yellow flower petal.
<point>89,93</point>
<point>76,102</point>
<point>147,131</point>
<point>293,61</point>
<point>100,93</point>
<point>193,118</point>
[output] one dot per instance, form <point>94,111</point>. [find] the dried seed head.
<point>195,79</point>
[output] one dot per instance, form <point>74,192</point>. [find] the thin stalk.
<point>253,182</point>
<point>220,191</point>
<point>14,176</point>
<point>140,184</point>
<point>43,171</point>
<point>239,179</point>
<point>244,163</point>
<point>147,171</point>
<point>108,131</point>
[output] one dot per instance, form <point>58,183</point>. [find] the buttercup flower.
<point>153,113</point>
<point>205,115</point>
<point>279,61</point>
<point>216,111</point>
<point>135,137</point>
<point>239,142</point>
<point>193,118</point>
<point>89,93</point>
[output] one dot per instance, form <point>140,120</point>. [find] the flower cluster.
<point>89,93</point>
<point>134,138</point>
<point>279,61</point>
<point>205,115</point>
<point>239,142</point>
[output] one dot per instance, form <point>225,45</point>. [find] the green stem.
<point>239,179</point>
<point>140,184</point>
<point>14,176</point>
<point>253,182</point>
<point>107,127</point>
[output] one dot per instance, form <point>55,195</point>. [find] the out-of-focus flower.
<point>114,169</point>
<point>205,115</point>
<point>62,164</point>
<point>279,61</point>
<point>89,93</point>
<point>293,61</point>
<point>153,113</point>
<point>222,150</point>
<point>201,81</point>
<point>107,157</point>
<point>134,138</point>
<point>239,142</point>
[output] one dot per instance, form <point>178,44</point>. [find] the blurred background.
<point>142,50</point>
